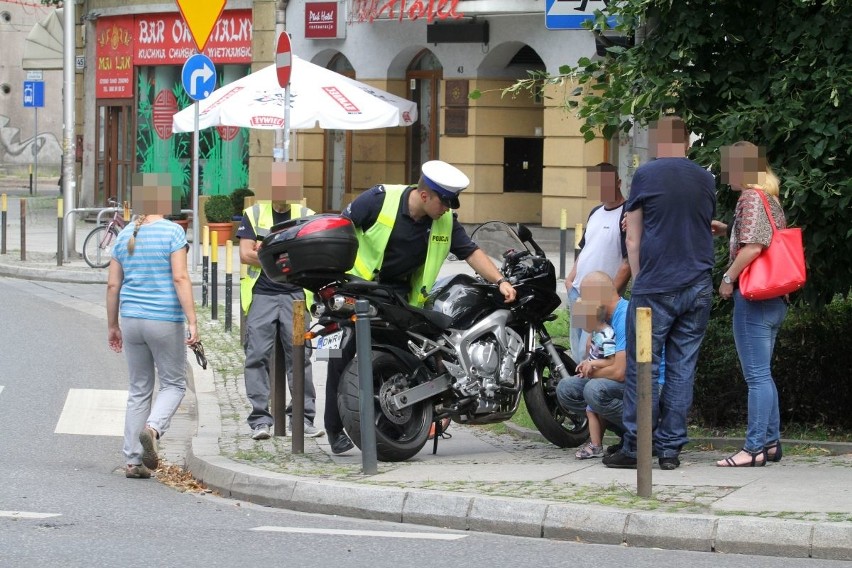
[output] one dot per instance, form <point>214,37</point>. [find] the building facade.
<point>29,136</point>
<point>524,154</point>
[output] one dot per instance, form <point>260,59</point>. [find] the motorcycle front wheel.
<point>559,427</point>
<point>400,434</point>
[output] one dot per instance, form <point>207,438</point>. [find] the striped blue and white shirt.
<point>148,291</point>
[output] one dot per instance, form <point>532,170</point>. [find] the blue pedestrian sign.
<point>33,94</point>
<point>198,77</point>
<point>570,14</point>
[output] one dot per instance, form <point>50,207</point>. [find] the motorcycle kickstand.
<point>438,426</point>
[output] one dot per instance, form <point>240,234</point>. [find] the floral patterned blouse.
<point>751,225</point>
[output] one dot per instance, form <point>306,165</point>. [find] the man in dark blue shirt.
<point>670,249</point>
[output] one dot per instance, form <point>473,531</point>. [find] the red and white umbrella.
<point>319,97</point>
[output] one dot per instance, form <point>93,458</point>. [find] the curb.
<point>834,448</point>
<point>40,272</point>
<point>501,515</point>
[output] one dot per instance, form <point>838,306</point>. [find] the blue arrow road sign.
<point>198,77</point>
<point>33,94</point>
<point>570,14</point>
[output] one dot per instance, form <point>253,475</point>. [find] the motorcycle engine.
<point>491,365</point>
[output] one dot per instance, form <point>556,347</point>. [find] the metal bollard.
<point>214,275</point>
<point>644,401</point>
<point>205,265</point>
<point>243,274</point>
<point>23,203</point>
<point>369,460</point>
<point>3,205</point>
<point>298,420</point>
<point>229,294</point>
<point>278,380</point>
<point>578,236</point>
<point>563,237</point>
<point>59,231</point>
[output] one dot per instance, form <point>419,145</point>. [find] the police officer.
<point>404,236</point>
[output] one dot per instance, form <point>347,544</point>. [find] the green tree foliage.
<point>775,72</point>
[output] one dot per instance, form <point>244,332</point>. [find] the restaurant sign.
<point>367,11</point>
<point>162,39</point>
<point>323,20</point>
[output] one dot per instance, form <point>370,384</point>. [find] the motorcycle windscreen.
<point>496,238</point>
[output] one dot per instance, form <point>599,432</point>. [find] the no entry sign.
<point>283,60</point>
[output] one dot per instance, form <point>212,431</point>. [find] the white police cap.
<point>445,180</point>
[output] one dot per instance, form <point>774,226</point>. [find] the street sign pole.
<point>196,228</point>
<point>35,154</point>
<point>283,68</point>
<point>287,123</point>
<point>199,80</point>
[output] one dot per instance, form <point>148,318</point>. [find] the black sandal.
<point>729,462</point>
<point>776,451</point>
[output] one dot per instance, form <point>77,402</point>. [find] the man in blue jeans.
<point>670,249</point>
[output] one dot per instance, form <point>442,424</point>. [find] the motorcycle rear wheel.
<point>398,436</point>
<point>559,427</point>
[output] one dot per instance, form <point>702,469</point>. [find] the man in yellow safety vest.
<point>268,306</point>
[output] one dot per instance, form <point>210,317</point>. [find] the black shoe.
<point>669,464</point>
<point>339,442</point>
<point>620,460</point>
<point>614,448</point>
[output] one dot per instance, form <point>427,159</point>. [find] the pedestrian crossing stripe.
<point>93,412</point>
<point>27,515</point>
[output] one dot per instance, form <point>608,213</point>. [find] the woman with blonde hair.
<point>149,286</point>
<point>756,323</point>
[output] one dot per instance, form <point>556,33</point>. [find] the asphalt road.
<point>64,500</point>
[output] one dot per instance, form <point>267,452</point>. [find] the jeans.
<point>756,326</point>
<point>678,322</point>
<point>576,335</point>
<point>266,315</point>
<point>152,348</point>
<point>603,396</point>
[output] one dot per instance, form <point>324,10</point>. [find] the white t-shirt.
<point>603,247</point>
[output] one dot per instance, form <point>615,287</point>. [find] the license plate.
<point>330,341</point>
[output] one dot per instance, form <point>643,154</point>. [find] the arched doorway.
<point>424,81</point>
<point>337,174</point>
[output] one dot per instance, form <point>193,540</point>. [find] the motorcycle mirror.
<point>525,235</point>
<point>523,232</point>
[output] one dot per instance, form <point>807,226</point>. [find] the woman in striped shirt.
<point>150,288</point>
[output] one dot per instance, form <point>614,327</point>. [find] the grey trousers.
<point>152,347</point>
<point>266,315</point>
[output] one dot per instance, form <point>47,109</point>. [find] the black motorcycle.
<point>466,355</point>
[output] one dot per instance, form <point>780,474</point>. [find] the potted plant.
<point>218,209</point>
<point>238,199</point>
<point>181,219</point>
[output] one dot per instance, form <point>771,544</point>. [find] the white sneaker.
<point>260,432</point>
<point>311,431</point>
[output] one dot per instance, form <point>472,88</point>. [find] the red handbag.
<point>780,267</point>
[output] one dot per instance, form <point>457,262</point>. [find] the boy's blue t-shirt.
<point>678,202</point>
<point>619,325</point>
<point>148,290</point>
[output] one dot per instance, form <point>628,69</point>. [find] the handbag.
<point>780,267</point>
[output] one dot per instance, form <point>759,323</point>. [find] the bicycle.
<point>97,248</point>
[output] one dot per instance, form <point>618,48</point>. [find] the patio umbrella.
<point>318,97</point>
